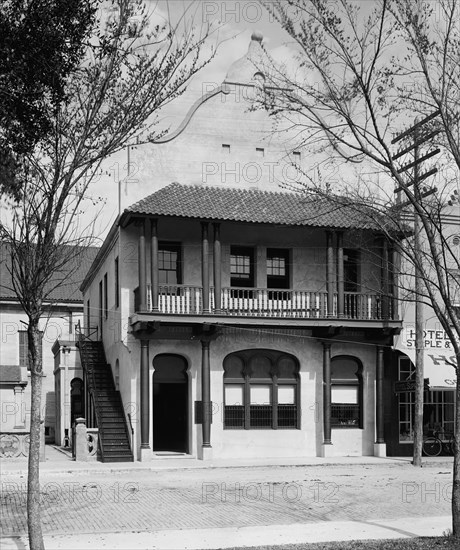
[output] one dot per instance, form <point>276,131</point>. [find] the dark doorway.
<point>77,405</point>
<point>170,404</point>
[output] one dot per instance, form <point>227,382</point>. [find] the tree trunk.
<point>33,480</point>
<point>456,476</point>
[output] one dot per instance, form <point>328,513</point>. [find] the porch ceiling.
<point>141,323</point>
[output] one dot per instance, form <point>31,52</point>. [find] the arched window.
<point>261,390</point>
<point>346,392</point>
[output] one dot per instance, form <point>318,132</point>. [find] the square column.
<point>380,448</point>
<point>154,276</point>
<point>327,442</point>
<point>205,265</point>
<point>145,400</point>
<point>217,270</point>
<point>340,276</point>
<point>142,268</point>
<point>330,273</point>
<point>205,453</point>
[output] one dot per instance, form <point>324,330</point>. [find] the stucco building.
<point>439,361</point>
<point>224,318</point>
<point>64,309</point>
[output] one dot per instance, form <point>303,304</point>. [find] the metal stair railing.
<point>83,340</point>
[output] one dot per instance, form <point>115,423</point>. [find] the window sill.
<point>262,428</point>
<point>349,426</point>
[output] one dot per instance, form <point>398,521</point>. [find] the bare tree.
<point>130,70</point>
<point>363,73</point>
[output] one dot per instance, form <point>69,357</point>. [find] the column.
<point>206,393</point>
<point>142,269</point>
<point>145,395</point>
<point>379,445</point>
<point>19,420</point>
<point>395,259</point>
<point>217,270</point>
<point>379,411</point>
<point>385,281</point>
<point>340,276</point>
<point>327,393</point>
<point>330,273</point>
<point>205,265</point>
<point>154,277</point>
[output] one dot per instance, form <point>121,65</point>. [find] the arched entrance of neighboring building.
<point>170,403</point>
<point>77,405</point>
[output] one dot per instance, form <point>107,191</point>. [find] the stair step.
<point>119,459</point>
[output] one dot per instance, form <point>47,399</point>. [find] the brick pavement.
<point>228,497</point>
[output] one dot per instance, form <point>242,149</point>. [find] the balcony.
<point>262,302</point>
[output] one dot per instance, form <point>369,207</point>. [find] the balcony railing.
<point>262,302</point>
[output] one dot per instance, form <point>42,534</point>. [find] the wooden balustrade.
<point>263,302</point>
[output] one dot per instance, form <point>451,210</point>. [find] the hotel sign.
<point>409,385</point>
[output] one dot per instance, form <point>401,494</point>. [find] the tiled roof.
<point>241,205</point>
<point>64,285</point>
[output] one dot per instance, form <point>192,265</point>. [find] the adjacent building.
<point>64,309</point>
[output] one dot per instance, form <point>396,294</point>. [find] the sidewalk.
<point>183,503</point>
<point>227,537</point>
<point>58,461</point>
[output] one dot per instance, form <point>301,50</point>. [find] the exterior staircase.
<point>114,441</point>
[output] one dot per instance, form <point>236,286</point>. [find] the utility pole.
<point>418,140</point>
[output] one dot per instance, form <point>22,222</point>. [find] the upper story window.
<point>226,148</point>
<point>101,293</point>
<point>297,157</point>
<point>88,316</point>
<point>169,263</point>
<point>351,269</point>
<point>260,151</point>
<point>242,266</point>
<point>106,308</point>
<point>117,282</point>
<point>24,348</point>
<point>278,268</point>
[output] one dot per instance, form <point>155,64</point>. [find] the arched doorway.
<point>170,404</point>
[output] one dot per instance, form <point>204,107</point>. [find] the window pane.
<point>241,266</point>
<point>344,394</point>
<point>345,415</point>
<point>260,416</point>
<point>233,367</point>
<point>233,394</point>
<point>260,395</point>
<point>287,368</point>
<point>286,395</point>
<point>287,416</point>
<point>344,369</point>
<point>260,367</point>
<point>234,416</point>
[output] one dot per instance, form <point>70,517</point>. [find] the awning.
<point>437,367</point>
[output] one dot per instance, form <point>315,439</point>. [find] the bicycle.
<point>433,445</point>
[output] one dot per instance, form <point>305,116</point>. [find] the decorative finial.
<point>257,36</point>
